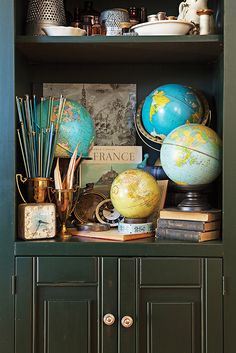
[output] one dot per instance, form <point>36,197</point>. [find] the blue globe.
<point>76,127</point>
<point>170,106</point>
<point>191,155</point>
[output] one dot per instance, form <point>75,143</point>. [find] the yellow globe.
<point>135,193</point>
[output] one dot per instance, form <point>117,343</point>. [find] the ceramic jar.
<point>207,25</point>
<point>113,18</point>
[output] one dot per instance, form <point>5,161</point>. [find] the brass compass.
<point>85,209</point>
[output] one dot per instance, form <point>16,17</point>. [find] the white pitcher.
<point>188,10</point>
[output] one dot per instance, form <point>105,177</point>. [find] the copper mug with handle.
<point>36,188</point>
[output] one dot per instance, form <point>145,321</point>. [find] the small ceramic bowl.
<point>63,31</point>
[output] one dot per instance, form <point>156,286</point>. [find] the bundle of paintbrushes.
<point>38,133</point>
<point>66,183</point>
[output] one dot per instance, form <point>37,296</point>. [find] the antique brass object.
<point>36,189</point>
<point>65,203</point>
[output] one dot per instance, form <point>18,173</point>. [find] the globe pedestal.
<point>196,197</point>
<point>135,220</point>
<point>135,226</point>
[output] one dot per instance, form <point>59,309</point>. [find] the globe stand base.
<point>135,220</point>
<point>195,198</point>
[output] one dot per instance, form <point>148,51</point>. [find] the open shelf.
<point>140,49</point>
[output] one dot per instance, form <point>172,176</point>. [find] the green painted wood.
<point>118,39</point>
<point>170,272</point>
<point>134,248</point>
<point>127,305</point>
<point>195,72</point>
<point>67,270</point>
<point>23,305</point>
<point>143,49</point>
<point>163,307</point>
<point>170,327</point>
<point>71,298</point>
<point>229,196</point>
<point>51,318</point>
<point>213,299</point>
<point>67,326</point>
<point>7,172</point>
<point>109,295</point>
<point>192,315</point>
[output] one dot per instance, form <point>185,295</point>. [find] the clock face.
<point>38,221</point>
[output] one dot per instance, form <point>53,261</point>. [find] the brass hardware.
<point>127,321</point>
<point>109,319</point>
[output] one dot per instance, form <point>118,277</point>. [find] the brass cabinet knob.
<point>127,321</point>
<point>109,319</point>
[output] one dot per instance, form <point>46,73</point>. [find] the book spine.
<point>185,225</point>
<point>177,234</point>
<point>186,217</point>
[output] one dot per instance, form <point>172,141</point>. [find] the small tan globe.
<point>135,193</point>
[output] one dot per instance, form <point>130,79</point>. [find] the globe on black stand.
<point>196,197</point>
<point>191,157</point>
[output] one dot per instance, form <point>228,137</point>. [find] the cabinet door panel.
<point>170,320</point>
<point>168,271</point>
<point>170,327</point>
<point>67,269</point>
<point>182,315</point>
<point>60,317</point>
<point>67,326</point>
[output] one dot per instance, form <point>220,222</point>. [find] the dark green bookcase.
<point>55,294</point>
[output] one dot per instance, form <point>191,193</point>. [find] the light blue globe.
<point>76,127</point>
<point>170,106</point>
<point>191,155</point>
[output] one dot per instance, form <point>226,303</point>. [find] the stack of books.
<point>174,224</point>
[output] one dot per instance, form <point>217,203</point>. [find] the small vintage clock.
<point>36,221</point>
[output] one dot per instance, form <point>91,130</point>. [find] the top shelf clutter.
<point>143,49</point>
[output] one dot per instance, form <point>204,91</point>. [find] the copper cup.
<point>36,189</point>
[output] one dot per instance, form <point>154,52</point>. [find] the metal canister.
<point>43,13</point>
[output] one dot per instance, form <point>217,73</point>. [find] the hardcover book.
<point>200,226</point>
<point>206,216</point>
<point>111,235</point>
<point>107,162</point>
<point>187,235</point>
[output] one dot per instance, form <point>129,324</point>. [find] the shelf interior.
<point>145,49</point>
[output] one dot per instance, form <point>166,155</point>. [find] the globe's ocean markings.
<point>76,127</point>
<point>170,106</point>
<point>191,155</point>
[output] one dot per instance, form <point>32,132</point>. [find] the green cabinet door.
<point>180,305</point>
<point>175,304</point>
<point>56,305</point>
